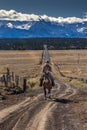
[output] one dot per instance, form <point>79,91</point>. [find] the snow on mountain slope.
<point>18,25</point>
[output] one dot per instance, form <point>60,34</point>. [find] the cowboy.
<point>46,67</point>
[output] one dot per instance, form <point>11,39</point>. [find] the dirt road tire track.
<point>40,114</point>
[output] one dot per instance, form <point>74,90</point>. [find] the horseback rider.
<point>47,67</point>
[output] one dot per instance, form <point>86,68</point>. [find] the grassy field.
<point>71,62</point>
<point>26,63</point>
<point>23,63</point>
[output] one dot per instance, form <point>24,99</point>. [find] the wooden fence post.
<point>13,77</point>
<point>5,80</point>
<point>8,71</point>
<point>17,80</point>
<point>24,84</point>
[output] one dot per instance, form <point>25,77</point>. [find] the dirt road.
<point>34,113</point>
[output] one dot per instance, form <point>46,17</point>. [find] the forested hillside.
<point>37,43</point>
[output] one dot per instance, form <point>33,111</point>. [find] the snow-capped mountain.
<point>18,25</point>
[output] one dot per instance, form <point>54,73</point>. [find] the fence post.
<point>8,71</point>
<point>24,84</point>
<point>17,80</point>
<point>5,81</point>
<point>8,77</point>
<point>13,77</point>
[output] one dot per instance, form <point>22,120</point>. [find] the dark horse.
<point>47,85</point>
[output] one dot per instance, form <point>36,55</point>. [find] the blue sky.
<point>56,8</point>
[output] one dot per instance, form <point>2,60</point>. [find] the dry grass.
<point>23,63</point>
<point>72,63</point>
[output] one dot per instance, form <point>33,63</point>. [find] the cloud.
<point>18,16</point>
<point>13,15</point>
<point>65,20</point>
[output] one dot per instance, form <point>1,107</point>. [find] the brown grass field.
<point>26,63</point>
<point>22,63</point>
<point>29,110</point>
<point>71,62</point>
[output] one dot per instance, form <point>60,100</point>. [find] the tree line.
<point>37,43</point>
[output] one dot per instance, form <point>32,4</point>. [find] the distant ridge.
<point>17,25</point>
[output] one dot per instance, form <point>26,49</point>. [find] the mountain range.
<point>18,25</point>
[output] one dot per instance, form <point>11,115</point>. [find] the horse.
<point>47,85</point>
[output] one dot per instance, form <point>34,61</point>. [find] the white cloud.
<point>13,15</point>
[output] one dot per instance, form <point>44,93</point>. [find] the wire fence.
<point>12,80</point>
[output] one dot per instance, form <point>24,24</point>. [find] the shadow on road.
<point>65,101</point>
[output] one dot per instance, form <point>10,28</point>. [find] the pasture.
<point>68,106</point>
<point>23,63</point>
<point>71,62</point>
<point>26,63</point>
